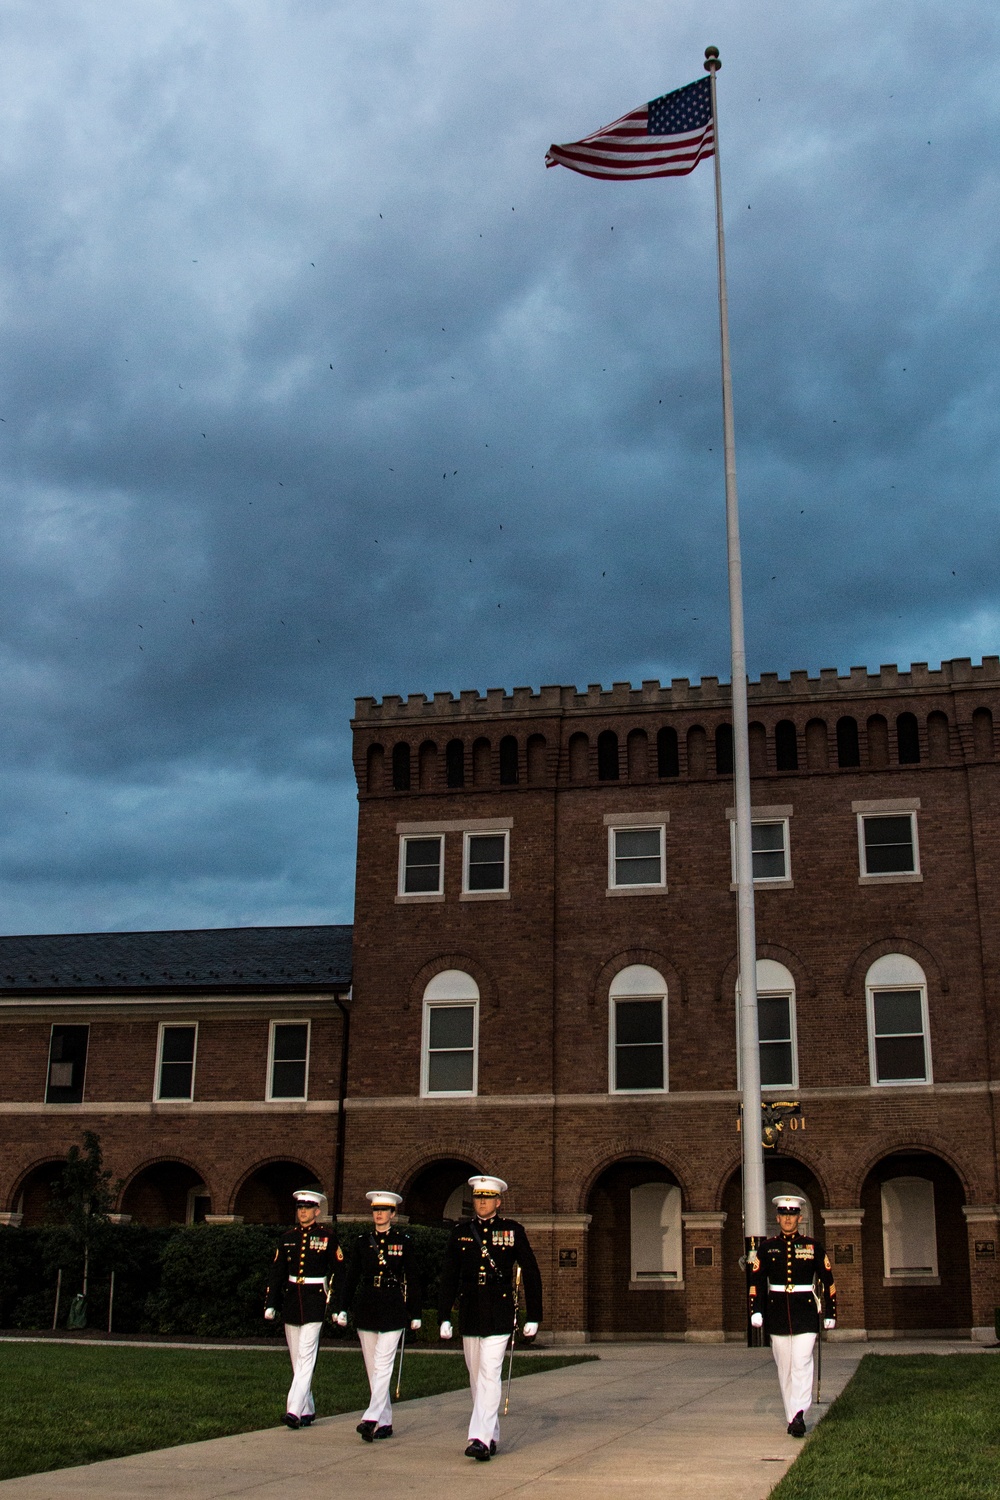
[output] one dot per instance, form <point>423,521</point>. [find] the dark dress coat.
<point>303,1255</point>
<point>479,1269</point>
<point>787,1261</point>
<point>382,1275</point>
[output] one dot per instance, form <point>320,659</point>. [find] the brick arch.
<point>166,1157</point>
<point>22,1177</point>
<point>624,960</point>
<point>267,1161</point>
<point>927,1141</point>
<point>804,983</point>
<point>489,991</point>
<point>448,1149</point>
<point>854,975</point>
<point>806,1158</point>
<point>622,1149</point>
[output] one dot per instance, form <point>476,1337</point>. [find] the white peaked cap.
<point>789,1200</point>
<point>487,1185</point>
<point>309,1195</point>
<point>379,1199</point>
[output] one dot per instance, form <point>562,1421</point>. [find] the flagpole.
<point>754,1207</point>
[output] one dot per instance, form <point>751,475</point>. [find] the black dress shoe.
<point>383,1432</point>
<point>292,1421</point>
<point>797,1426</point>
<point>307,1421</point>
<point>367,1430</point>
<point>493,1447</point>
<point>478,1451</point>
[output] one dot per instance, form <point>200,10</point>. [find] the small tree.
<point>82,1199</point>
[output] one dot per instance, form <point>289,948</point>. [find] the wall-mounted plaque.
<point>567,1258</point>
<point>704,1255</point>
<point>843,1255</point>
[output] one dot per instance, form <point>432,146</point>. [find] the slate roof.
<point>217,958</point>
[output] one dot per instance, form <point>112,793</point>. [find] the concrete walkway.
<point>698,1422</point>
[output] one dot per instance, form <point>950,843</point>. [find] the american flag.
<point>667,137</point>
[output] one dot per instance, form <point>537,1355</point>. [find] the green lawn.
<point>907,1427</point>
<point>70,1404</point>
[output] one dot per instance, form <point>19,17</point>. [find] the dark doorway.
<point>440,1193</point>
<point>629,1289</point>
<point>781,1173</point>
<point>168,1192</point>
<point>929,1286</point>
<point>266,1196</point>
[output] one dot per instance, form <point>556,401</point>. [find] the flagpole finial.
<point>712,63</point>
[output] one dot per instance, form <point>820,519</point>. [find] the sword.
<point>399,1372</point>
<point>819,1342</point>
<point>513,1337</point>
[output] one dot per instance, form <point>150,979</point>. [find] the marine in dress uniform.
<point>479,1268</point>
<point>382,1274</point>
<point>791,1279</point>
<point>308,1263</point>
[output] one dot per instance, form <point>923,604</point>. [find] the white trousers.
<point>379,1350</point>
<point>793,1354</point>
<point>484,1359</point>
<point>303,1344</point>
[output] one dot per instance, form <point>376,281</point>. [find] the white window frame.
<point>658,1280</point>
<point>655,822</point>
<point>650,986</point>
<point>490,833</point>
<point>779,814</point>
<point>888,808</point>
<point>771,981</point>
<point>288,1098</point>
<point>911,1276</point>
<point>895,971</point>
<point>402,893</point>
<point>157,1080</point>
<point>453,989</point>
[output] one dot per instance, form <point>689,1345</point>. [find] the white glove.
<point>530,1329</point>
<point>445,1331</point>
<point>341,1320</point>
<point>829,1322</point>
<point>414,1325</point>
<point>270,1313</point>
<point>757,1320</point>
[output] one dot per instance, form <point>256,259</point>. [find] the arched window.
<point>450,1035</point>
<point>909,1230</point>
<point>724,750</point>
<point>637,752</point>
<point>454,763</point>
<point>667,757</point>
<point>536,759</point>
<point>508,761</point>
<point>899,1042</point>
<point>655,1227</point>
<point>786,746</point>
<point>579,757</point>
<point>758,750</point>
<point>937,738</point>
<point>908,740</point>
<point>607,755</point>
<point>817,747</point>
<point>697,746</point>
<point>481,763</point>
<point>401,767</point>
<point>637,1031</point>
<point>878,741</point>
<point>375,768</point>
<point>982,734</point>
<point>848,745</point>
<point>427,757</point>
<point>779,1067</point>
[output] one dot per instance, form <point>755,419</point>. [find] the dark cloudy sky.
<point>315,383</point>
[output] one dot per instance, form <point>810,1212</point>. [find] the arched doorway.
<point>782,1174</point>
<point>266,1195</point>
<point>439,1194</point>
<point>166,1192</point>
<point>635,1264</point>
<point>915,1246</point>
<point>34,1195</point>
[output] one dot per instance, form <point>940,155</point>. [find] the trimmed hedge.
<point>205,1280</point>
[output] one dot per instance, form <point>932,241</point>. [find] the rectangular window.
<point>450,1049</point>
<point>175,1064</point>
<point>909,1229</point>
<point>67,1064</point>
<point>777,1042</point>
<point>769,850</point>
<point>421,866</point>
<point>288,1069</point>
<point>639,1053</point>
<point>485,862</point>
<point>888,844</point>
<point>898,1034</point>
<point>636,857</point>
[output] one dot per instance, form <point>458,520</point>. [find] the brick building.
<point>545,971</point>
<point>209,1063</point>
